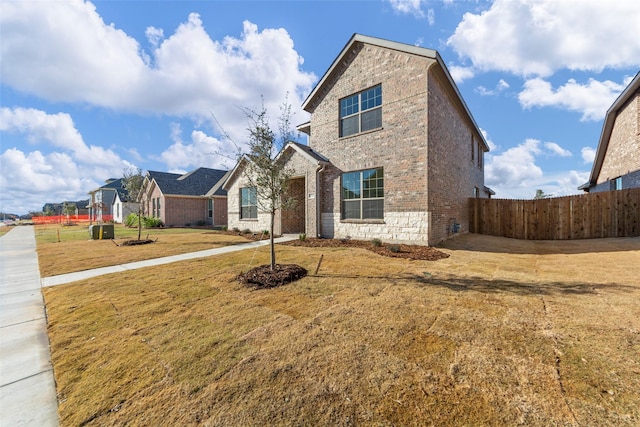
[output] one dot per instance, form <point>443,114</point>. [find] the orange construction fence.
<point>64,219</point>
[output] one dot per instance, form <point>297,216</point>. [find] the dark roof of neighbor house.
<point>195,183</point>
<point>123,194</point>
<point>607,128</point>
<point>402,47</point>
<point>110,184</point>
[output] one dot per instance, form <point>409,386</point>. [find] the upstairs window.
<point>248,203</point>
<point>363,194</point>
<point>361,112</point>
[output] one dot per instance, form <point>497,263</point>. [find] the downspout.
<point>319,170</point>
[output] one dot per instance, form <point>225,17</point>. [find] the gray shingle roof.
<point>195,183</point>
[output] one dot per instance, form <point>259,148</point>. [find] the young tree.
<point>265,170</point>
<point>69,209</point>
<point>133,180</point>
<point>540,195</point>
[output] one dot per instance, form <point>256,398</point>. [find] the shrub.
<point>246,231</point>
<point>394,248</point>
<point>223,228</point>
<point>236,229</point>
<point>151,222</point>
<point>376,242</point>
<point>131,220</point>
<point>201,222</point>
<point>302,237</point>
<point>265,232</point>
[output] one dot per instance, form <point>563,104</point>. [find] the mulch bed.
<point>416,252</point>
<point>263,277</point>
<point>136,242</point>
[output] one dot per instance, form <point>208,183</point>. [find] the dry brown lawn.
<point>503,332</point>
<point>76,252</point>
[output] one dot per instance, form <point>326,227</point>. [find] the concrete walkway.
<point>87,274</point>
<point>27,385</point>
<point>28,392</point>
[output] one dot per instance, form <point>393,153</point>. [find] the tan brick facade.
<point>623,151</point>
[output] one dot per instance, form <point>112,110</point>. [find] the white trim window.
<point>361,112</point>
<point>248,203</point>
<point>363,194</point>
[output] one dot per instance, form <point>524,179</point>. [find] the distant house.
<point>193,198</point>
<point>393,152</point>
<point>122,206</point>
<point>102,200</point>
<point>617,162</point>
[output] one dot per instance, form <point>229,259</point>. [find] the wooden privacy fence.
<point>586,216</point>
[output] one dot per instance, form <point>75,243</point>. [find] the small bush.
<point>265,232</point>
<point>151,222</point>
<point>394,248</point>
<point>131,220</point>
<point>201,223</point>
<point>223,228</point>
<point>302,237</point>
<point>376,242</point>
<point>246,231</point>
<point>235,229</point>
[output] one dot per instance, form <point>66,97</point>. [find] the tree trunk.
<point>139,222</point>
<point>271,242</point>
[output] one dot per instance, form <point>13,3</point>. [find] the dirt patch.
<point>417,252</point>
<point>136,242</point>
<point>263,277</point>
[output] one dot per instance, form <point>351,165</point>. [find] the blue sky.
<point>91,88</point>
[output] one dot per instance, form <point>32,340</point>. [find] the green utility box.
<point>102,231</point>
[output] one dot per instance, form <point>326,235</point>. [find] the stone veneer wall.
<point>623,151</point>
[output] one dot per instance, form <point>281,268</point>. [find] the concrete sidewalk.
<point>27,385</point>
<point>28,392</point>
<point>87,274</point>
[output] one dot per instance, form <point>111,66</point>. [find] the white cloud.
<point>64,51</point>
<point>56,129</point>
<point>460,74</point>
<point>201,151</point>
<point>67,173</point>
<point>500,86</point>
<point>492,145</point>
<point>538,37</point>
<point>410,7</point>
<point>154,35</point>
<point>515,167</point>
<point>431,17</point>
<point>591,100</point>
<point>588,154</point>
<point>557,150</point>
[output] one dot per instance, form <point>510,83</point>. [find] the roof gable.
<point>337,65</point>
<point>198,182</point>
<point>607,128</point>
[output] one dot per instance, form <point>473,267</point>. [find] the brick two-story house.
<point>189,199</point>
<point>617,162</point>
<point>393,152</point>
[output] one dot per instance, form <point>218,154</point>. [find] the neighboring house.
<point>102,200</point>
<point>617,162</point>
<point>189,199</point>
<point>122,206</point>
<point>393,152</point>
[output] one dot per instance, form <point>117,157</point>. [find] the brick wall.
<point>623,152</point>
<point>181,211</point>
<point>401,148</point>
<point>453,169</point>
